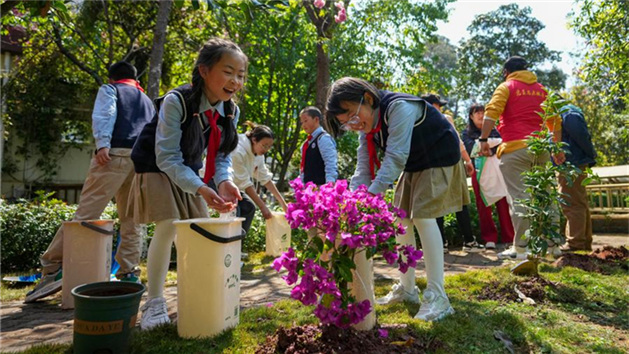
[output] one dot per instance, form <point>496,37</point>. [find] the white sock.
<point>407,279</point>
<point>158,258</point>
<point>432,247</point>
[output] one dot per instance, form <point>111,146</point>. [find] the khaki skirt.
<point>155,197</point>
<point>432,193</point>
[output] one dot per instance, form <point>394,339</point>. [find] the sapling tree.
<point>542,207</point>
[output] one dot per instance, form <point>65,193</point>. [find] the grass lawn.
<point>588,313</point>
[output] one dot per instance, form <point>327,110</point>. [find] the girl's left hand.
<point>229,192</point>
<point>214,201</point>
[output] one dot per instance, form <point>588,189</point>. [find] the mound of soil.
<point>329,339</point>
<point>604,261</point>
<point>533,287</point>
<point>610,253</point>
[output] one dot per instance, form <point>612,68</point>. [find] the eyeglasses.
<point>355,119</point>
<point>267,147</point>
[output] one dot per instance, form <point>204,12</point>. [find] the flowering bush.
<point>348,222</point>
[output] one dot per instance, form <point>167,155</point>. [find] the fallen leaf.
<point>499,335</point>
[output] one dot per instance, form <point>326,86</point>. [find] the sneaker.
<point>512,253</point>
<point>244,256</point>
<point>129,277</point>
<point>473,247</point>
<point>48,285</point>
<point>154,313</point>
<point>398,294</point>
<point>434,307</point>
<point>445,248</point>
<point>490,246</point>
<point>554,251</point>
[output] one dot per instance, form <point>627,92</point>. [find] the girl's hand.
<point>266,213</point>
<point>214,201</point>
<point>229,192</point>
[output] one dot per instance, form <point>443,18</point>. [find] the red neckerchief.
<point>371,147</point>
<point>212,146</point>
<point>303,152</point>
<point>129,82</point>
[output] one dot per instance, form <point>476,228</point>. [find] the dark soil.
<point>604,261</point>
<point>329,339</point>
<point>533,287</point>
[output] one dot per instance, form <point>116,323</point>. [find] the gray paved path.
<point>22,325</point>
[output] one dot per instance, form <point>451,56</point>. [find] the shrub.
<point>28,227</point>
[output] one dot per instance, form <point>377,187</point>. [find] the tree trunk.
<point>323,76</point>
<point>157,53</point>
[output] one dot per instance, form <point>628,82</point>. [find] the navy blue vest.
<point>134,110</point>
<point>314,168</point>
<point>143,153</point>
<point>434,142</point>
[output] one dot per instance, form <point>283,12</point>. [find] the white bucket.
<point>208,275</point>
<point>86,255</point>
<point>277,234</point>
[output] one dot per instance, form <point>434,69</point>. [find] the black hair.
<point>515,63</point>
<point>122,70</point>
<point>312,111</point>
<point>471,127</point>
<point>348,89</point>
<point>258,131</point>
<point>211,53</point>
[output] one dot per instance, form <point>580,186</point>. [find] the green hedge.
<point>28,227</point>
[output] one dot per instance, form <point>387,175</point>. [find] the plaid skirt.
<point>432,193</point>
<point>156,197</point>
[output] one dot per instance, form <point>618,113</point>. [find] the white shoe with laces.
<point>154,313</point>
<point>398,294</point>
<point>490,246</point>
<point>434,307</point>
<point>512,253</point>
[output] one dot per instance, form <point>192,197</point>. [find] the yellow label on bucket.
<point>97,328</point>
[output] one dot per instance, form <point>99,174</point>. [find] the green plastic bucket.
<point>104,314</point>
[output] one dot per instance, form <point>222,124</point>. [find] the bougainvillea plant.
<point>347,223</point>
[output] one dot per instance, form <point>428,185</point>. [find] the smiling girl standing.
<point>192,119</point>
<point>417,141</point>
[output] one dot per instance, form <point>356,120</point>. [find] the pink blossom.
<point>341,16</point>
<point>319,4</point>
<point>383,333</point>
<point>352,221</point>
<point>339,5</point>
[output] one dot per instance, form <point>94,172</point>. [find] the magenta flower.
<point>348,222</point>
<point>319,4</point>
<point>341,16</point>
<point>383,333</point>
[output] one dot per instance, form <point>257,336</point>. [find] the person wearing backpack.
<point>579,152</point>
<point>120,112</point>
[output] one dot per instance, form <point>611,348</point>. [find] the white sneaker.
<point>490,246</point>
<point>473,247</point>
<point>554,251</point>
<point>154,313</point>
<point>398,294</point>
<point>512,253</point>
<point>434,307</point>
<point>48,285</point>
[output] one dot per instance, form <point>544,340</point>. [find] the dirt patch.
<point>604,261</point>
<point>329,339</point>
<point>612,253</point>
<point>498,291</point>
<point>533,288</point>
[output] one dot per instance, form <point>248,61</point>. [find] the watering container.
<point>104,314</point>
<point>277,234</point>
<point>86,255</point>
<point>208,275</point>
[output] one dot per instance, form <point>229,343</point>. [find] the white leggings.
<point>433,253</point>
<point>159,257</point>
